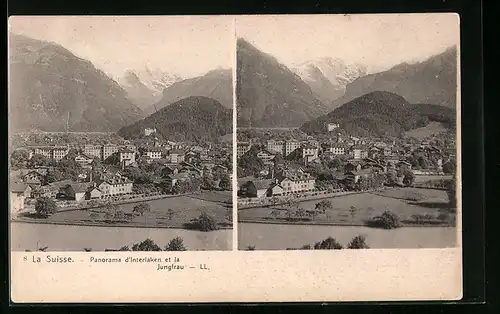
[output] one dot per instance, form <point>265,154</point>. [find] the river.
<point>76,238</point>
<point>281,237</point>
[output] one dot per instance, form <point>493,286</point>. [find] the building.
<point>127,156</point>
<point>33,178</point>
<point>45,191</point>
<point>149,131</point>
<point>153,152</point>
<point>93,193</point>
<point>298,182</point>
<point>59,153</point>
<point>171,180</point>
<point>290,147</point>
<point>44,151</point>
<point>266,156</point>
<point>84,160</point>
<point>114,185</point>
<point>336,148</point>
<point>309,153</point>
<point>108,150</point>
<point>255,188</point>
<point>93,151</point>
<point>354,176</point>
<point>51,152</point>
<point>242,148</point>
<point>359,152</point>
<point>275,147</point>
<point>18,193</point>
<point>176,156</point>
<point>75,191</point>
<point>332,126</point>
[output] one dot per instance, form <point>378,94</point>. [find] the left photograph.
<point>120,133</point>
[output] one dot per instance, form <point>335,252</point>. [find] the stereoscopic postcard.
<point>264,158</point>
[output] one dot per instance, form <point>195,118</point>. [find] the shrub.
<point>45,207</point>
<point>328,244</point>
<point>388,220</point>
<point>146,245</point>
<point>250,248</point>
<point>206,222</point>
<point>176,244</point>
<point>358,242</point>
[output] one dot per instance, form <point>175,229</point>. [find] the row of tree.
<point>330,243</point>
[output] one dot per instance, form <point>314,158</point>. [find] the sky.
<point>185,45</point>
<point>377,41</point>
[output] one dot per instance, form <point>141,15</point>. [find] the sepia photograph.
<point>347,131</point>
<point>120,133</point>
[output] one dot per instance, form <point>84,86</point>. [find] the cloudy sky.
<point>184,45</point>
<point>378,41</point>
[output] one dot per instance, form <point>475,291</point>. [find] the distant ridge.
<point>433,81</point>
<point>379,114</point>
<point>216,84</point>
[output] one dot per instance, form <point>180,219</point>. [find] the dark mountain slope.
<point>269,94</point>
<point>48,83</point>
<point>192,119</point>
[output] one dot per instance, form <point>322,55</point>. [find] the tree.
<point>352,211</point>
<point>19,159</point>
<point>408,178</point>
<point>124,248</point>
<point>45,207</point>
<point>300,212</point>
<point>358,242</point>
<point>275,213</point>
<point>225,183</point>
<point>37,161</point>
<point>451,192</point>
<point>53,175</point>
<point>324,205</point>
<point>146,245</point>
<point>142,208</point>
<point>176,244</point>
<point>328,244</point>
<point>94,216</point>
<point>449,167</point>
<point>250,248</point>
<point>206,222</point>
<point>388,220</point>
<point>306,247</point>
<point>170,214</point>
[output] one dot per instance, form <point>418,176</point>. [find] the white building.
<point>290,146</point>
<point>115,185</point>
<point>153,153</point>
<point>149,131</point>
<point>332,126</point>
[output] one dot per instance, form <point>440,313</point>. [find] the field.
<point>184,208</point>
<point>430,129</point>
<point>355,209</point>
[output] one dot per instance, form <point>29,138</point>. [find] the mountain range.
<point>216,84</point>
<point>433,81</point>
<point>269,94</point>
<point>194,118</point>
<point>51,89</point>
<point>145,87</point>
<point>379,114</point>
<point>329,76</point>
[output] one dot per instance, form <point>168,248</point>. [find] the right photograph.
<point>348,131</point>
